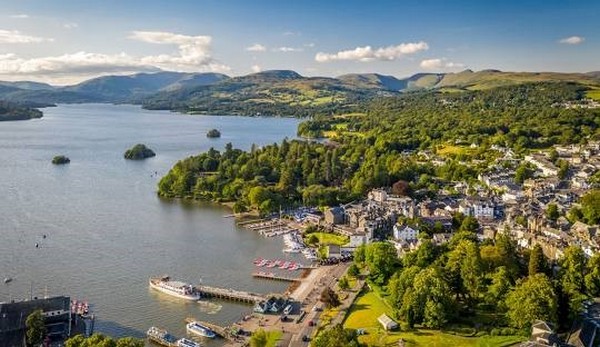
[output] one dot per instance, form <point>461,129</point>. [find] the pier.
<point>230,294</point>
<point>275,277</point>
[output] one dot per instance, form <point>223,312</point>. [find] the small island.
<point>213,133</point>
<point>139,152</point>
<point>60,160</point>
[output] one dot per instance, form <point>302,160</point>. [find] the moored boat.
<point>162,337</point>
<point>187,343</point>
<point>199,329</point>
<point>177,289</point>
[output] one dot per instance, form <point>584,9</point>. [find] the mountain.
<point>134,87</point>
<point>487,79</point>
<point>28,85</point>
<point>115,89</point>
<point>275,92</point>
<point>374,80</point>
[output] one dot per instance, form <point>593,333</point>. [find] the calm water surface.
<point>107,231</point>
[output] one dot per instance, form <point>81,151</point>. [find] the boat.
<point>177,289</point>
<point>258,260</point>
<point>263,263</point>
<point>183,342</point>
<point>285,265</point>
<point>8,280</point>
<point>162,337</point>
<point>199,329</point>
<point>272,264</point>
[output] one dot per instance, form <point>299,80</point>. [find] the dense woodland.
<point>490,282</point>
<point>11,111</point>
<point>367,153</point>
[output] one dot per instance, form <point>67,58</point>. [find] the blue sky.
<point>66,41</point>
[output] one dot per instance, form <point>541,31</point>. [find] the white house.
<point>405,232</point>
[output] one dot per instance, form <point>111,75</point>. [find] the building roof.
<point>14,314</point>
<point>387,321</point>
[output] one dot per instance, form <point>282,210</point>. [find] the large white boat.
<point>187,343</point>
<point>162,337</point>
<point>199,329</point>
<point>177,289</point>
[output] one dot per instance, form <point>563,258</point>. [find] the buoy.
<point>7,280</point>
<point>37,245</point>
<point>44,236</point>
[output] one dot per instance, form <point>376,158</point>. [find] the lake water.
<point>107,231</point>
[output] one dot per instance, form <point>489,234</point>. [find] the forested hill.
<point>10,111</point>
<point>367,148</point>
<point>279,92</point>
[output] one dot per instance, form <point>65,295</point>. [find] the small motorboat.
<point>7,280</point>
<point>187,343</point>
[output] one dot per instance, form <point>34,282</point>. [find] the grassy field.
<point>331,239</point>
<point>455,150</point>
<point>366,309</point>
<point>593,94</point>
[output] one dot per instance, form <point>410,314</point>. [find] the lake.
<point>107,231</point>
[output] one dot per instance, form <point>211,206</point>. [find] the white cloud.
<point>287,49</point>
<point>19,16</point>
<point>70,25</point>
<point>193,56</point>
<point>309,45</point>
<point>292,33</point>
<point>15,36</point>
<point>257,47</point>
<point>256,68</point>
<point>367,53</point>
<point>573,40</point>
<point>437,64</point>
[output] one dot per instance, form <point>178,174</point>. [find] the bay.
<point>106,229</point>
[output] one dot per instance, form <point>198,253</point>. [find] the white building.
<point>405,232</point>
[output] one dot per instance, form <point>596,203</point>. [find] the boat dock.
<point>221,331</point>
<point>275,277</point>
<point>230,294</point>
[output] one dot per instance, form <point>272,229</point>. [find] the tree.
<point>573,266</point>
<point>401,188</point>
<point>592,278</point>
<point>312,239</point>
<point>343,283</point>
<point>470,224</point>
<point>336,336</point>
<point>533,298</point>
<point>259,338</point>
<point>353,270</point>
<point>329,297</point>
<point>523,173</point>
<point>428,300</point>
<point>130,342</point>
<point>590,207</point>
<point>499,288</point>
<point>36,330</point>
<point>552,212</point>
<point>537,261</point>
<point>381,259</point>
<point>239,207</point>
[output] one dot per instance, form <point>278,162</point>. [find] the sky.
<point>67,41</point>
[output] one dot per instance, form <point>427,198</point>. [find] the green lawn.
<point>593,94</point>
<point>267,338</point>
<point>455,150</point>
<point>366,309</point>
<point>331,239</point>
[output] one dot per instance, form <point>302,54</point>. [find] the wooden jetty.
<point>230,294</point>
<point>275,277</point>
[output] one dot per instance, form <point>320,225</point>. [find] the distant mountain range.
<point>268,92</point>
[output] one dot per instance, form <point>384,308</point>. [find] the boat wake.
<point>209,307</point>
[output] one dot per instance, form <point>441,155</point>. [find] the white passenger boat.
<point>177,289</point>
<point>187,343</point>
<point>199,329</point>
